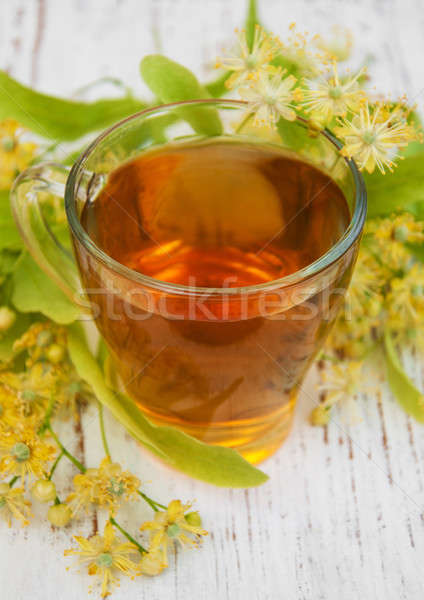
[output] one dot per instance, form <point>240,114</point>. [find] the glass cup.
<point>223,364</point>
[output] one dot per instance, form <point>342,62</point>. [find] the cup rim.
<point>335,252</point>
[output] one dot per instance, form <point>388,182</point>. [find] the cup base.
<point>255,439</point>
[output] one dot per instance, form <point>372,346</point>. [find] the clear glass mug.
<point>223,364</point>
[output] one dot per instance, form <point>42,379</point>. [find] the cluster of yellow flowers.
<point>48,389</point>
<point>386,294</point>
<point>285,80</point>
<point>372,132</point>
<point>15,152</point>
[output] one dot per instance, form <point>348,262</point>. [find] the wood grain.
<point>342,515</point>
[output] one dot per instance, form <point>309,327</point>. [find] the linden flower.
<point>297,51</point>
<point>363,297</point>
<point>171,526</point>
<point>15,154</point>
<point>245,63</point>
<point>24,453</point>
<point>405,300</point>
<point>338,46</point>
<point>352,338</point>
<point>339,381</point>
<point>389,237</point>
<point>107,486</point>
<point>270,97</point>
<point>371,140</point>
<point>107,556</point>
<point>24,398</point>
<point>333,97</point>
<point>13,504</point>
<point>402,228</point>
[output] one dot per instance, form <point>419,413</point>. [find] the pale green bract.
<point>410,399</point>
<point>213,464</point>
<point>171,82</point>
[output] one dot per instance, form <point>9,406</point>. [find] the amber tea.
<point>219,216</point>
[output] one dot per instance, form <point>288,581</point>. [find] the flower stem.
<point>72,458</point>
<point>46,421</point>
<point>102,430</point>
<point>56,462</point>
<point>152,503</point>
<point>13,481</point>
<point>243,122</point>
<point>128,536</point>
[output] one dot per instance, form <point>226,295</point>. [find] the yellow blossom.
<point>339,381</point>
<point>171,526</point>
<point>363,297</point>
<point>389,236</point>
<point>23,453</point>
<point>245,62</point>
<point>270,96</point>
<point>372,137</point>
<point>107,486</point>
<point>402,228</point>
<point>332,97</point>
<point>49,373</point>
<point>405,301</point>
<point>106,557</point>
<point>297,51</point>
<point>13,504</point>
<point>15,153</point>
<point>338,46</point>
<point>24,404</point>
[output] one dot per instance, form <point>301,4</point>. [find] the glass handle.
<point>27,195</point>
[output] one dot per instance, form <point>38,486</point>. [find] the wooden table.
<point>341,517</point>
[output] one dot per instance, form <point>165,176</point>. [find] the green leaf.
<point>401,190</point>
<point>251,21</point>
<point>171,82</point>
<point>57,118</point>
<point>411,399</point>
<point>8,261</point>
<point>214,464</point>
<point>9,234</point>
<point>34,291</point>
<point>217,87</point>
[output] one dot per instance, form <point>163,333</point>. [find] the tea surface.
<point>217,215</point>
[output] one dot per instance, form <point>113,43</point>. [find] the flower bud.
<point>320,415</point>
<point>59,515</point>
<point>44,490</point>
<point>193,518</point>
<point>7,318</point>
<point>55,353</point>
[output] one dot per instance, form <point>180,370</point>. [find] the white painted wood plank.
<point>342,514</point>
